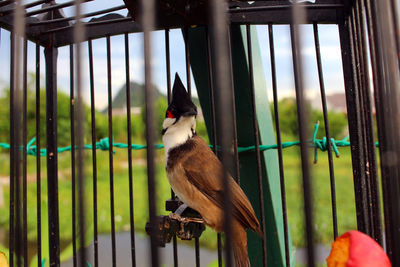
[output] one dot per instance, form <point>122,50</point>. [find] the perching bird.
<point>196,174</point>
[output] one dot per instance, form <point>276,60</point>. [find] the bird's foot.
<point>188,227</point>
<point>185,219</point>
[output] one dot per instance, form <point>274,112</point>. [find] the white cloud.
<point>330,50</point>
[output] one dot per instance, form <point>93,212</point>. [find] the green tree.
<point>63,115</point>
<point>160,106</point>
<point>289,121</point>
<point>5,114</point>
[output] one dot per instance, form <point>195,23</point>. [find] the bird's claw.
<point>185,231</point>
<point>185,219</point>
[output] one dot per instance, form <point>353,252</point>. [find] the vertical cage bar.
<point>94,153</point>
<point>352,35</point>
<point>223,84</point>
<point>298,14</point>
<point>396,29</point>
<point>73,169</point>
<point>213,123</point>
<point>212,99</point>
<point>38,168</point>
<point>169,97</point>
<point>197,251</point>
<point>147,19</point>
<point>279,142</point>
<point>110,152</point>
<point>51,55</point>
<point>24,150</point>
<point>79,32</point>
<point>376,208</point>
<point>234,125</point>
<point>189,88</point>
<point>15,110</point>
<point>129,130</point>
<point>353,107</point>
<point>12,153</point>
<point>17,145</point>
<point>168,64</point>
<point>386,82</point>
<point>372,175</point>
<point>187,60</point>
<point>376,65</point>
<point>360,75</point>
<point>256,144</point>
<point>327,130</point>
<point>361,182</point>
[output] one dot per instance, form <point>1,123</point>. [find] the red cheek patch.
<point>170,115</point>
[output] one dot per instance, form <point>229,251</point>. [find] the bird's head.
<point>181,113</point>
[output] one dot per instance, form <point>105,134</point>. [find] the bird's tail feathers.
<point>240,246</point>
<point>259,232</point>
<point>241,257</point>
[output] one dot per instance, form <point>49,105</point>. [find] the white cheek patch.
<point>168,122</point>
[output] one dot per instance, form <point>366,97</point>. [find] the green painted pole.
<point>248,167</point>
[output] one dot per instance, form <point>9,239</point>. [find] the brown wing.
<point>205,172</point>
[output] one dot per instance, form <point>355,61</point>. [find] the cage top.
<point>47,23</point>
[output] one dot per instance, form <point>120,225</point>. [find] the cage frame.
<point>348,15</point>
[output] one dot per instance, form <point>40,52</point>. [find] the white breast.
<point>178,133</point>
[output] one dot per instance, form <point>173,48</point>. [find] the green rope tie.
<point>4,145</point>
<point>321,144</point>
<point>104,144</point>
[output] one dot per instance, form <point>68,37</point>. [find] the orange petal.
<point>3,260</point>
<point>356,249</point>
<point>340,252</point>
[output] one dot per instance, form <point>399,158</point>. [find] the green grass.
<point>323,226</point>
<point>320,181</point>
<point>121,195</point>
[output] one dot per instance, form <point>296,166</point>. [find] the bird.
<point>196,174</point>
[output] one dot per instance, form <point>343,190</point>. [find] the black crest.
<point>181,105</point>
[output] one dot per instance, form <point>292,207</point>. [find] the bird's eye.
<point>169,115</point>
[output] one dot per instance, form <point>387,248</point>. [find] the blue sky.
<point>329,40</point>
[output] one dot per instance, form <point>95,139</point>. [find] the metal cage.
<point>220,51</point>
